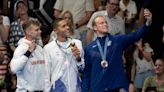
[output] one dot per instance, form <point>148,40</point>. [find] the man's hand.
<point>139,44</point>
<point>148,17</point>
<point>131,88</point>
<point>32,46</point>
<point>76,52</point>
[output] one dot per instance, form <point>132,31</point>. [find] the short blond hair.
<point>31,22</point>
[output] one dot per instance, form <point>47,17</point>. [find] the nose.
<point>105,23</point>
<point>39,31</point>
<point>67,27</point>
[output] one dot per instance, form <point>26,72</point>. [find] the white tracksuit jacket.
<point>62,67</point>
<point>30,71</point>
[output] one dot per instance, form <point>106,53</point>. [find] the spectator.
<point>143,64</point>
<point>11,4</point>
<point>129,9</point>
<point>67,15</point>
<point>4,54</point>
<point>156,81</point>
<point>156,27</point>
<point>16,32</point>
<point>4,27</point>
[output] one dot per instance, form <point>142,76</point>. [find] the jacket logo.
<point>109,43</point>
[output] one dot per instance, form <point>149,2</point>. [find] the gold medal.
<point>72,45</point>
<point>104,63</point>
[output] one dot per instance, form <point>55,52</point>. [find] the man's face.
<point>21,9</point>
<point>63,29</point>
<point>112,7</point>
<point>35,32</point>
<point>148,55</point>
<point>100,26</point>
<point>159,67</point>
<point>67,17</point>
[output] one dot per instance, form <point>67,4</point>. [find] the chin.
<point>38,38</point>
<point>106,31</point>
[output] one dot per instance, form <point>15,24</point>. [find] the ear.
<point>54,29</point>
<point>28,32</point>
<point>94,28</point>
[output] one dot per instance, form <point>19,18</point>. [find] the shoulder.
<point>6,20</point>
<point>119,18</point>
<point>132,2</point>
<point>21,49</point>
<point>76,40</point>
<point>100,13</point>
<point>50,45</point>
<point>39,47</point>
<point>14,23</point>
<point>91,45</point>
<point>150,78</point>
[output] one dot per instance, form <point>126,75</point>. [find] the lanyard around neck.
<point>103,53</point>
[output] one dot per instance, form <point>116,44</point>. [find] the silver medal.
<point>104,63</point>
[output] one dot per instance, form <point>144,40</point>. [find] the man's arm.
<point>19,59</point>
<point>58,7</point>
<point>89,6</point>
<point>135,36</point>
<point>21,56</point>
<point>57,13</point>
<point>84,20</point>
<point>78,52</point>
<point>4,28</point>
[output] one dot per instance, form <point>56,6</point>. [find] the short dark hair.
<point>161,59</point>
<point>55,22</point>
<point>93,22</point>
<point>108,1</point>
<point>29,22</point>
<point>18,2</point>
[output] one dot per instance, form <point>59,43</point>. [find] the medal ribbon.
<point>103,53</point>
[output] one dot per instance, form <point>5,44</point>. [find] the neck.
<point>29,38</point>
<point>62,39</point>
<point>101,34</point>
<point>160,77</point>
<point>126,2</point>
<point>24,17</point>
<point>111,15</point>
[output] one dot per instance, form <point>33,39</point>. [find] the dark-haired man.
<point>64,59</point>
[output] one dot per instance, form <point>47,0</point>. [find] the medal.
<point>104,63</point>
<point>72,45</point>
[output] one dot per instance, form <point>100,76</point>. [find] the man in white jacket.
<point>64,58</point>
<point>28,63</point>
